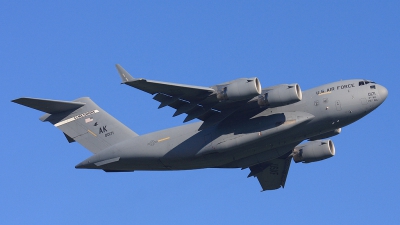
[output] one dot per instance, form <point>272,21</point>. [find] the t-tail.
<point>82,121</point>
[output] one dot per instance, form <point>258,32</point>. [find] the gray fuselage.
<point>250,136</point>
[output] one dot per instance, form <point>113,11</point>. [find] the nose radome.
<point>383,92</point>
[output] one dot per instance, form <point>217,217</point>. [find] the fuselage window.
<point>361,83</point>
<point>372,87</point>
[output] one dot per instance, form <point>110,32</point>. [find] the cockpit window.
<point>372,86</point>
<point>365,82</point>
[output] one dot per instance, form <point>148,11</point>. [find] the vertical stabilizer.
<point>82,121</point>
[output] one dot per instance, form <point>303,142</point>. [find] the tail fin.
<point>81,120</point>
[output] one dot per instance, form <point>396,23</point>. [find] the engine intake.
<point>284,94</point>
<point>240,89</point>
<point>313,151</point>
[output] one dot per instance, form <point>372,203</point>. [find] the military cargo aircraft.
<point>241,126</point>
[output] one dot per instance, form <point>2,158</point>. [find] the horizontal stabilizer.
<point>48,106</point>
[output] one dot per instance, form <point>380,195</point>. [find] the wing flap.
<point>196,112</point>
<point>211,118</point>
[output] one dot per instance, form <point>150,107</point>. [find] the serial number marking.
<point>109,134</point>
<point>372,97</point>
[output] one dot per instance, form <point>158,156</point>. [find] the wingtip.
<point>125,76</point>
<point>19,100</point>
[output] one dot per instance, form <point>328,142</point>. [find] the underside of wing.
<point>195,101</point>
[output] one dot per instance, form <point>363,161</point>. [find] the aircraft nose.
<point>383,92</point>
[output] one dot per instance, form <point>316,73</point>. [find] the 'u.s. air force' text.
<point>339,87</point>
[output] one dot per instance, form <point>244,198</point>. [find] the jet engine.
<point>240,89</point>
<point>284,94</point>
<point>313,151</point>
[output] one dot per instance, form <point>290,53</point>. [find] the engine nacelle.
<point>282,95</point>
<point>314,151</point>
<point>240,89</point>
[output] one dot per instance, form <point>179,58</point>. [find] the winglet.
<point>125,76</point>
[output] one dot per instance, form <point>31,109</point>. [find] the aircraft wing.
<point>272,174</point>
<point>196,101</point>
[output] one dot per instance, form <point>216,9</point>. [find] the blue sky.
<point>66,50</point>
